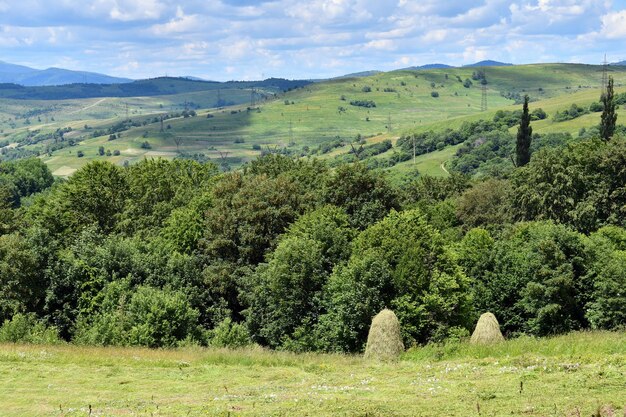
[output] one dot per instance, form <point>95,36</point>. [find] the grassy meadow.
<point>579,374</point>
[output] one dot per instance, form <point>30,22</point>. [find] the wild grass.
<point>559,376</point>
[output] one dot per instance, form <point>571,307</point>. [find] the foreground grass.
<point>572,375</point>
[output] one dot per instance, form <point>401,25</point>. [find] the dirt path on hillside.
<point>89,106</point>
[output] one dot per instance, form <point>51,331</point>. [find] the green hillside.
<point>319,119</point>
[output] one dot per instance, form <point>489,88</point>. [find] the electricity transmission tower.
<point>483,98</point>
<point>605,75</point>
<point>291,133</point>
<point>389,129</point>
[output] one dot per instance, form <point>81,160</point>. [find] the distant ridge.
<point>31,77</point>
<point>358,74</point>
<point>619,63</point>
<point>149,87</point>
<point>489,63</point>
<point>428,66</point>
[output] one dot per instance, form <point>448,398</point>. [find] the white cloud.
<point>182,23</point>
<point>614,25</point>
<point>130,10</point>
<point>382,44</point>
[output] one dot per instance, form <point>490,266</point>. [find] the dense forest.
<point>292,254</point>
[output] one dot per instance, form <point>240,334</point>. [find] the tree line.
<point>293,254</point>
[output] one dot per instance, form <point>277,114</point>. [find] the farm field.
<point>571,375</point>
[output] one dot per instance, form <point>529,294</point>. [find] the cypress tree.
<point>524,137</point>
<point>609,117</point>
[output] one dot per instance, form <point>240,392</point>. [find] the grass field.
<point>572,375</point>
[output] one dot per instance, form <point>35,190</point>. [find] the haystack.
<point>384,341</point>
<point>487,330</point>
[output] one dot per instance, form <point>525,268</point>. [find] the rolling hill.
<point>319,119</point>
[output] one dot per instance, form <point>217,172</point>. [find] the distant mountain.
<point>428,66</point>
<point>150,87</point>
<point>191,77</point>
<point>358,74</point>
<point>26,76</point>
<point>489,63</point>
<point>619,63</point>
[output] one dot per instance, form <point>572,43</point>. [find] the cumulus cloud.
<point>614,25</point>
<point>226,39</point>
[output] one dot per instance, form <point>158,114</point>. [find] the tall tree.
<point>524,137</point>
<point>609,117</point>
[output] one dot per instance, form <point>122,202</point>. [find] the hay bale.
<point>384,341</point>
<point>487,330</point>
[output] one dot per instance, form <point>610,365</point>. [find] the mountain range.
<point>26,76</point>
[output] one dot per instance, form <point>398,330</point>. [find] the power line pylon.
<point>605,75</point>
<point>483,98</point>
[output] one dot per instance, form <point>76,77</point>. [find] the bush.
<point>80,154</point>
<point>143,317</point>
<point>230,335</point>
<point>434,94</point>
<point>366,89</point>
<point>25,328</point>
<point>363,103</point>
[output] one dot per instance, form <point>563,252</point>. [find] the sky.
<point>246,40</point>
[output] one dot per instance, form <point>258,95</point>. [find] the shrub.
<point>146,145</point>
<point>80,154</point>
<point>363,103</point>
<point>116,152</point>
<point>366,89</point>
<point>434,94</point>
<point>25,328</point>
<point>144,317</point>
<point>230,335</point>
<point>487,330</point>
<point>384,341</point>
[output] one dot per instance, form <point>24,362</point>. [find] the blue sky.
<point>243,39</point>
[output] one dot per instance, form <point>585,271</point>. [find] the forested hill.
<point>142,88</point>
